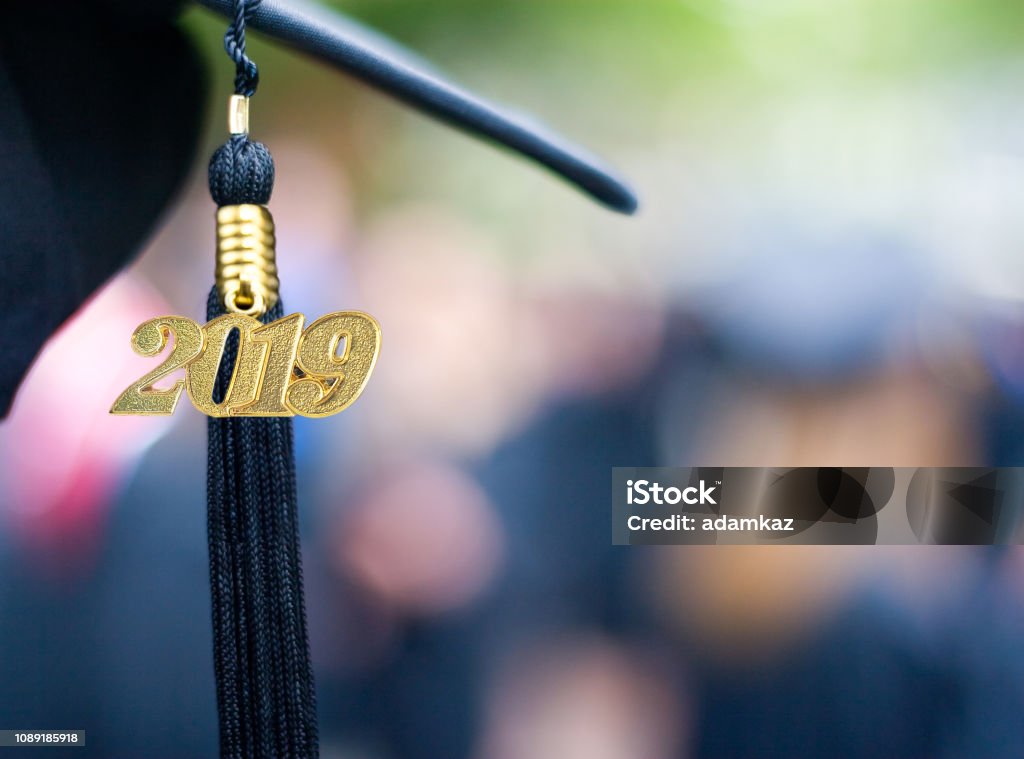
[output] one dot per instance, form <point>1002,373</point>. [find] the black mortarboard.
<point>100,112</point>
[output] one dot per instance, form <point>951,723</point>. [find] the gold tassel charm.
<point>282,368</point>
<point>246,271</point>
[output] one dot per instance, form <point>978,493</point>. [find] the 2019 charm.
<point>280,370</point>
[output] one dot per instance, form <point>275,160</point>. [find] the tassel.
<point>265,692</point>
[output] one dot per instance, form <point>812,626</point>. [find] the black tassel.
<point>265,693</point>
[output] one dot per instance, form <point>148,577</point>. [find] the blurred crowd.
<point>825,271</point>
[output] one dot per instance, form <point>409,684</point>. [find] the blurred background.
<point>825,271</point>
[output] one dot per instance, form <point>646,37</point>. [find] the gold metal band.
<point>238,114</point>
<point>246,270</point>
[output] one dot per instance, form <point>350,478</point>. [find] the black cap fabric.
<point>96,135</point>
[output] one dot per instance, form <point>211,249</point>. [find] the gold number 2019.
<point>279,369</point>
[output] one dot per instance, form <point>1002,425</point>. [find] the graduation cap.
<point>101,105</point>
